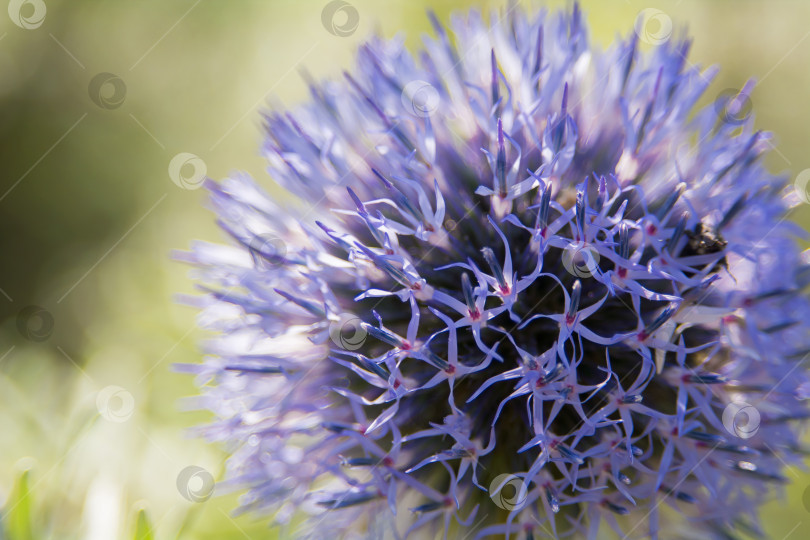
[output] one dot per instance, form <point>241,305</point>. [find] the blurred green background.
<point>89,213</point>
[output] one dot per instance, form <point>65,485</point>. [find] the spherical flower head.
<point>522,289</point>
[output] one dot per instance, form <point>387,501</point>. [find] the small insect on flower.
<point>534,309</point>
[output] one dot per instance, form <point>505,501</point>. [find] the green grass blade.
<point>143,528</point>
<point>17,513</point>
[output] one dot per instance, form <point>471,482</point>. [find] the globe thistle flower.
<point>522,289</point>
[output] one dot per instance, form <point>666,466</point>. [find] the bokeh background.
<point>97,97</point>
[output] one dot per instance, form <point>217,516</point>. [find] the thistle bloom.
<point>522,289</point>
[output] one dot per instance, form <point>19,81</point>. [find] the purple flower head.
<point>523,289</point>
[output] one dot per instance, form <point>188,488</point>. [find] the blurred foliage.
<point>89,215</point>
